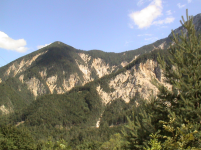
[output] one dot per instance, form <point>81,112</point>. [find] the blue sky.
<point>108,25</point>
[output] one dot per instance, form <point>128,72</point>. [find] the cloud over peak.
<point>145,17</point>
<point>10,44</point>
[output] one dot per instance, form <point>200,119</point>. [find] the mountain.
<point>59,86</point>
<point>58,68</point>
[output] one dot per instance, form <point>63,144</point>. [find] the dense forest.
<point>171,120</point>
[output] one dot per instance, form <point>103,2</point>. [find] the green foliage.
<point>137,131</point>
<point>115,112</point>
<point>183,137</point>
<point>51,145</point>
<point>184,76</point>
<point>14,95</point>
<point>115,143</point>
<point>92,145</point>
<point>14,138</point>
<point>124,56</point>
<point>64,110</point>
<point>154,143</point>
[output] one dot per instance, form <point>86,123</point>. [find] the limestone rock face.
<point>137,79</point>
<point>68,84</point>
<point>51,83</point>
<point>101,67</point>
<point>98,64</point>
<point>5,110</point>
<point>21,66</point>
<point>36,87</point>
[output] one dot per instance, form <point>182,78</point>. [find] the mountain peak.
<point>59,43</point>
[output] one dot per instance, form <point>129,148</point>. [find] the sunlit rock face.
<point>36,87</point>
<point>98,64</point>
<point>18,67</point>
<point>137,79</point>
<point>5,110</point>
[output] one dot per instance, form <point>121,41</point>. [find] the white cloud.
<point>165,21</point>
<point>169,12</point>
<point>10,44</point>
<point>41,46</point>
<point>189,1</point>
<point>180,5</point>
<point>144,35</point>
<point>145,17</point>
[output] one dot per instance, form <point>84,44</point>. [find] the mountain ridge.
<point>93,78</point>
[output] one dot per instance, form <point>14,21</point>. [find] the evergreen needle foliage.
<point>175,114</point>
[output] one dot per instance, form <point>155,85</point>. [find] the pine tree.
<point>182,123</point>
<point>184,73</point>
<point>175,115</point>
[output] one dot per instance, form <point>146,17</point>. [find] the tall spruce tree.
<point>183,73</point>
<point>176,125</point>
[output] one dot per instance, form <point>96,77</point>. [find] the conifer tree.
<point>183,73</point>
<point>175,115</point>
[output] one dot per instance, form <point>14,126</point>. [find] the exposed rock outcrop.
<point>36,87</point>
<point>98,64</point>
<point>16,67</point>
<point>68,84</point>
<point>51,83</point>
<point>138,79</point>
<point>5,110</point>
<point>101,67</point>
